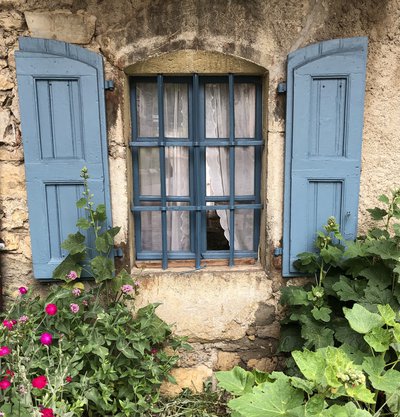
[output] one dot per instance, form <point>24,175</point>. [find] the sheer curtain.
<point>217,158</point>
<point>177,160</point>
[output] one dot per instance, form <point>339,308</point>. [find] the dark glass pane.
<point>217,228</point>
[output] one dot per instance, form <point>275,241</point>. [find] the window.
<point>196,146</point>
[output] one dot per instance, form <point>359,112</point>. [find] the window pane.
<point>217,228</point>
<point>245,110</point>
<point>176,110</point>
<point>217,171</point>
<point>147,109</point>
<point>217,110</point>
<point>244,170</point>
<point>244,229</point>
<point>177,170</point>
<point>150,225</point>
<point>149,171</point>
<point>178,229</point>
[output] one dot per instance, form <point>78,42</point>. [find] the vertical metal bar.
<point>257,166</point>
<point>197,168</point>
<point>192,171</point>
<point>231,170</point>
<point>161,144</point>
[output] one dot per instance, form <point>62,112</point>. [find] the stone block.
<point>192,378</point>
<point>263,364</point>
<point>61,25</point>
<point>6,81</point>
<point>11,20</point>
<point>227,360</point>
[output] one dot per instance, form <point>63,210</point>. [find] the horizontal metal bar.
<point>253,206</point>
<point>183,199</point>
<point>226,198</point>
<point>156,255</point>
<point>225,254</point>
<point>203,144</point>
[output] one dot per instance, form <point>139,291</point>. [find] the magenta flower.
<point>126,289</point>
<point>23,290</point>
<point>4,384</point>
<point>8,323</point>
<point>74,308</point>
<point>39,382</point>
<point>76,292</point>
<point>5,350</point>
<point>51,309</point>
<point>46,339</point>
<point>72,275</point>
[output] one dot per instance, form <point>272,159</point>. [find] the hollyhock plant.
<point>5,350</point>
<point>46,339</point>
<point>51,309</point>
<point>39,382</point>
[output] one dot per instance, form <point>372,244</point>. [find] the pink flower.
<point>4,384</point>
<point>51,309</point>
<point>23,319</point>
<point>5,350</point>
<point>126,289</point>
<point>39,382</point>
<point>72,275</point>
<point>46,339</point>
<point>76,292</point>
<point>137,283</point>
<point>23,290</point>
<point>74,307</point>
<point>85,302</point>
<point>68,379</point>
<point>8,323</point>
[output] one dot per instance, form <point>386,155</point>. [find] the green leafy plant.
<point>93,353</point>
<point>364,271</point>
<point>334,382</point>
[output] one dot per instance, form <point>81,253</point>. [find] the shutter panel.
<point>61,95</point>
<point>325,102</point>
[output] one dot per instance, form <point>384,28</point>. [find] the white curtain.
<point>217,158</point>
<point>177,159</point>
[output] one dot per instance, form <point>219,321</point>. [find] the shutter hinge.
<point>278,251</point>
<point>282,88</point>
<point>118,253</point>
<point>109,85</point>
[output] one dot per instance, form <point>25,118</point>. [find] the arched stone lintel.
<point>201,62</point>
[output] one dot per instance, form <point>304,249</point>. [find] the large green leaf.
<point>387,313</point>
<point>349,290</point>
<point>102,267</point>
<point>379,339</point>
<point>361,393</point>
<point>388,382</point>
<point>311,364</point>
<point>75,243</point>
<point>386,249</point>
<point>275,399</point>
<point>322,313</point>
<point>294,296</point>
<point>237,381</point>
<point>69,263</point>
<point>290,338</point>
<point>315,333</point>
<point>374,365</point>
<point>348,410</point>
<point>361,320</point>
<point>377,213</point>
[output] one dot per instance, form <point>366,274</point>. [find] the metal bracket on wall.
<point>118,253</point>
<point>109,85</point>
<point>278,251</point>
<point>281,88</point>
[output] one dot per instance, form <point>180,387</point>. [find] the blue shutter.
<point>325,103</point>
<point>61,95</point>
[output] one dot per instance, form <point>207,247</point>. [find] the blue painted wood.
<point>61,95</point>
<point>324,121</point>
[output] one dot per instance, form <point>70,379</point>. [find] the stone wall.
<point>230,315</point>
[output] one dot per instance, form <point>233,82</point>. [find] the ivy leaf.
<point>102,268</point>
<point>275,399</point>
<point>81,203</point>
<point>83,223</point>
<point>294,296</point>
<point>75,243</point>
<point>377,213</point>
<point>361,320</point>
<point>379,339</point>
<point>237,381</point>
<point>322,313</point>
